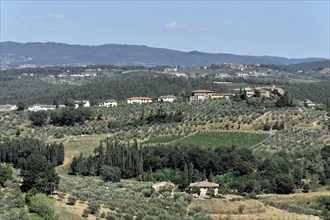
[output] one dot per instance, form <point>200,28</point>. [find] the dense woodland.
<point>36,161</point>
<point>233,167</point>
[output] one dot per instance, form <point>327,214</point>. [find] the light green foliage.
<point>225,139</point>
<point>93,206</point>
<point>43,206</point>
<point>128,199</point>
<point>72,200</point>
<point>6,173</point>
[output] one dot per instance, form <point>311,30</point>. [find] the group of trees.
<point>64,116</point>
<point>126,158</point>
<point>36,161</point>
<point>233,167</point>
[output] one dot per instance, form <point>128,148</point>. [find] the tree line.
<point>65,116</point>
<point>233,167</point>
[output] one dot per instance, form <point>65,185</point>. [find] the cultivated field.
<point>225,139</point>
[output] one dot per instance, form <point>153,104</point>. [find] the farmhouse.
<point>275,90</point>
<point>7,108</point>
<point>139,100</point>
<point>167,98</point>
<point>41,107</point>
<point>262,92</point>
<point>162,185</point>
<point>108,103</point>
<point>204,186</point>
<point>309,104</point>
<point>201,95</point>
<point>81,103</point>
<point>248,92</point>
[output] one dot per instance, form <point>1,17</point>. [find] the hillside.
<point>15,54</point>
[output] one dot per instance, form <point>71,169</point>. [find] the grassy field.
<point>225,139</point>
<point>161,139</point>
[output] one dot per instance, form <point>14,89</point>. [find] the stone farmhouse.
<point>263,92</point>
<point>167,98</point>
<point>7,108</point>
<point>162,185</point>
<point>108,103</point>
<point>139,100</point>
<point>41,107</point>
<point>208,94</point>
<point>204,186</point>
<point>201,95</point>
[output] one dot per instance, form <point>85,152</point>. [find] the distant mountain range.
<point>14,54</point>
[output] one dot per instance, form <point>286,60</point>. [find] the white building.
<point>41,107</point>
<point>82,103</point>
<point>167,98</point>
<point>204,186</point>
<point>139,100</point>
<point>7,108</point>
<point>108,103</point>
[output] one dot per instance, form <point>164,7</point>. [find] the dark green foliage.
<point>283,184</point>
<point>195,190</point>
<point>16,150</point>
<point>38,173</point>
<point>20,106</point>
<point>284,101</point>
<point>324,202</point>
<point>72,200</point>
<point>6,173</point>
<point>38,118</point>
<point>70,116</point>
<point>306,188</point>
<point>111,174</point>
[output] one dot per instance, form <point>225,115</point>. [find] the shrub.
<point>72,200</point>
<point>241,209</point>
<point>85,213</point>
<point>93,207</point>
<point>43,206</point>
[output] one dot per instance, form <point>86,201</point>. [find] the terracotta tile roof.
<point>204,184</point>
<point>203,91</point>
<point>167,96</point>
<point>110,100</point>
<point>140,98</point>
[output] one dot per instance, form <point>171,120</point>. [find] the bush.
<point>85,213</point>
<point>43,206</point>
<point>93,207</point>
<point>111,174</point>
<point>72,200</point>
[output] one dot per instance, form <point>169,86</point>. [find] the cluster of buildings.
<point>208,94</point>
<point>263,92</point>
<point>203,187</point>
<point>8,108</point>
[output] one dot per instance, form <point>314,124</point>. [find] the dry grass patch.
<point>252,209</point>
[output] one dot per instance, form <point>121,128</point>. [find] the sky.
<point>293,29</point>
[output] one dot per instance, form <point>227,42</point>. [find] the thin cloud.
<point>53,28</point>
<point>44,17</point>
<point>174,25</point>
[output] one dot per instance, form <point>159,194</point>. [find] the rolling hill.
<point>14,54</point>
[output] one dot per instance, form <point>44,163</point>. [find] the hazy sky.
<point>280,28</point>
